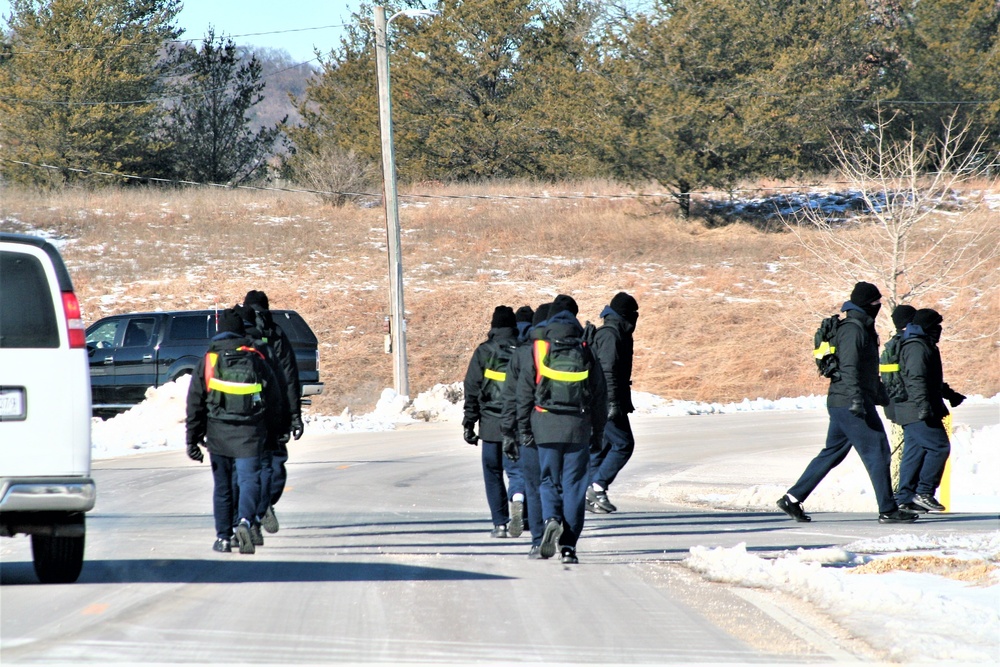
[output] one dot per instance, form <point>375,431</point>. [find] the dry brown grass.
<point>726,313</point>
<point>974,571</point>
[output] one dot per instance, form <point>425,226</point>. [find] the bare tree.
<point>919,235</point>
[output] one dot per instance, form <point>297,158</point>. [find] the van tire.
<point>57,559</point>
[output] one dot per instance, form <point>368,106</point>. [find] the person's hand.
<point>857,408</point>
<point>470,434</point>
<point>956,399</point>
<point>509,446</point>
<point>924,412</point>
<point>194,452</point>
<point>527,439</point>
<point>298,428</point>
<point>614,411</point>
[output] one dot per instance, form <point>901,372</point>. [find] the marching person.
<point>851,402</point>
<point>561,407</point>
<point>925,441</point>
<point>227,411</point>
<point>613,347</point>
<point>484,385</point>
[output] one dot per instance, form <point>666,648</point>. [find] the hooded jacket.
<point>551,427</point>
<point>857,358</point>
<point>923,377</point>
<point>614,348</point>
<point>274,336</point>
<point>488,416</point>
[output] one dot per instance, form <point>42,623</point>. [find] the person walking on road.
<point>851,400</point>
<point>484,385</point>
<point>613,347</point>
<point>227,410</point>
<point>925,441</point>
<point>561,407</point>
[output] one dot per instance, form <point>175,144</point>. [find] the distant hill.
<point>284,77</point>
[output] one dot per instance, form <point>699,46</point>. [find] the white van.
<point>45,483</point>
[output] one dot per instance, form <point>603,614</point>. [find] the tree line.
<point>686,94</point>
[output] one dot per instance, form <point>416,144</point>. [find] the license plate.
<point>11,403</point>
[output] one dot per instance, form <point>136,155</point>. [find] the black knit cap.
<point>230,322</point>
<point>524,314</point>
<point>256,298</point>
<point>541,314</point>
<point>624,304</point>
<point>864,294</point>
<point>564,302</point>
<point>902,315</point>
<point>503,316</point>
<point>927,317</point>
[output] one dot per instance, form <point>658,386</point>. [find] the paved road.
<point>384,556</point>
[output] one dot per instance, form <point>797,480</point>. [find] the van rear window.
<point>27,314</point>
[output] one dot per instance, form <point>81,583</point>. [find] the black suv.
<point>133,352</point>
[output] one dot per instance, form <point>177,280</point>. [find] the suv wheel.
<point>57,560</point>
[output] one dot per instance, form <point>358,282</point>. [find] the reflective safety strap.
<point>241,388</point>
<point>494,375</point>
<point>210,359</point>
<point>541,352</point>
<point>888,368</point>
<point>824,349</point>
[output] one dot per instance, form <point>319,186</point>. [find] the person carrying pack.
<point>855,390</point>
<point>484,385</point>
<point>232,396</point>
<point>888,368</point>
<point>561,405</point>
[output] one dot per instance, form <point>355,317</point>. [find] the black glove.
<point>510,450</point>
<point>470,434</point>
<point>195,453</point>
<point>527,439</point>
<point>857,408</point>
<point>297,426</point>
<point>614,411</point>
<point>956,399</point>
<point>924,412</point>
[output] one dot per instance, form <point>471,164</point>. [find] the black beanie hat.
<point>503,316</point>
<point>230,322</point>
<point>902,315</point>
<point>524,314</point>
<point>541,314</point>
<point>864,293</point>
<point>564,302</point>
<point>256,298</point>
<point>624,304</point>
<point>927,317</point>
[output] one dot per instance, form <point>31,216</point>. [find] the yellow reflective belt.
<point>888,368</point>
<point>824,349</point>
<point>542,348</point>
<point>240,388</point>
<point>494,375</point>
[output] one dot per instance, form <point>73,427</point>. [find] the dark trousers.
<point>496,490</point>
<point>925,452</point>
<point>564,482</point>
<point>618,445</point>
<point>273,476</point>
<point>233,475</point>
<point>532,473</point>
<point>868,437</point>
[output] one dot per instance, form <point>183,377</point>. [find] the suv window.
<point>27,314</point>
<point>139,332</point>
<point>189,327</point>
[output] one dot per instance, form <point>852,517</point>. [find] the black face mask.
<point>933,332</point>
<point>872,309</point>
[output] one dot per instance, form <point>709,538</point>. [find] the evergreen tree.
<point>81,86</point>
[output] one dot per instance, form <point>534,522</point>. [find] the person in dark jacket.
<point>274,474</point>
<point>485,380</point>
<point>563,412</point>
<point>613,347</point>
<point>851,401</point>
<point>525,453</point>
<point>925,441</point>
<point>232,418</point>
<point>901,316</point>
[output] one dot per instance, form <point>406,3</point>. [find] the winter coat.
<point>488,416</point>
<point>236,440</point>
<point>857,358</point>
<point>552,427</point>
<point>283,352</point>
<point>613,346</point>
<point>520,360</point>
<point>923,378</point>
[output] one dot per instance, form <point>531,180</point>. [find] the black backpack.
<point>562,374</point>
<point>888,367</point>
<point>825,346</point>
<point>494,376</point>
<point>234,385</point>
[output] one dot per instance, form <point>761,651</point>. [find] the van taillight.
<point>74,322</point>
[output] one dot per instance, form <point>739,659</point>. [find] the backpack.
<point>888,367</point>
<point>234,385</point>
<point>494,376</point>
<point>825,346</point>
<point>562,372</point>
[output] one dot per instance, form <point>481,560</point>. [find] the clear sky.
<point>242,18</point>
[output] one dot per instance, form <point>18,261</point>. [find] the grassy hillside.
<point>725,313</point>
